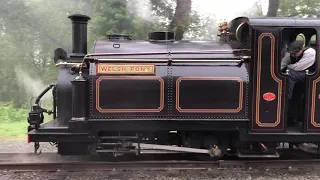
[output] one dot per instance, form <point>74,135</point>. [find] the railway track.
<point>55,162</point>
<point>59,167</point>
<point>161,165</point>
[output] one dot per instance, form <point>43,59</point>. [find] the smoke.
<point>32,87</point>
<point>223,11</point>
<point>142,8</point>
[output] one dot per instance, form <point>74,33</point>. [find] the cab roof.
<point>281,21</point>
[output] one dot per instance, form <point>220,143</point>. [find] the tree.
<point>299,8</point>
<point>180,20</point>
<point>273,8</point>
<point>30,30</point>
<point>113,16</point>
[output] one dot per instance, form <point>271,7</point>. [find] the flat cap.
<point>295,46</point>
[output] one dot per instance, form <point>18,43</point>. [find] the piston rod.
<point>172,148</point>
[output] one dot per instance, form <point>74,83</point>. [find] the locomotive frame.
<point>251,109</point>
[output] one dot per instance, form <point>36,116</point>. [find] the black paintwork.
<point>139,46</point>
<point>64,95</point>
<point>134,49</point>
<point>214,91</point>
<point>130,96</point>
<point>312,100</point>
<point>80,93</point>
<point>79,34</point>
<point>267,115</point>
<point>199,88</point>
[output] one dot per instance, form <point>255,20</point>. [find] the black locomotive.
<point>167,96</point>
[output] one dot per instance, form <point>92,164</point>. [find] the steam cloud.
<point>142,8</point>
<point>32,87</point>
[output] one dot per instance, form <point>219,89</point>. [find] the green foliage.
<point>10,114</point>
<point>117,17</point>
<point>29,36</point>
<point>299,8</point>
<point>289,8</point>
<point>14,121</point>
<point>30,30</point>
<point>122,17</point>
<point>13,130</point>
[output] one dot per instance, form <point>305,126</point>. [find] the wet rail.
<point>310,164</point>
<point>58,167</point>
<point>53,162</point>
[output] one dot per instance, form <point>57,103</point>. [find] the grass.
<point>13,122</point>
<point>14,130</point>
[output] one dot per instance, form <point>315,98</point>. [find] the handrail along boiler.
<point>166,96</point>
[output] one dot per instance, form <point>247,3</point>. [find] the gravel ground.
<point>169,175</point>
<point>15,146</point>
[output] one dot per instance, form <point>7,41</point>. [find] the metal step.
<point>117,137</point>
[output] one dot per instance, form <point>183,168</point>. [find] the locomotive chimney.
<point>79,34</point>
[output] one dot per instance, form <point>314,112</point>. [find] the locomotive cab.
<point>296,106</point>
<point>271,109</point>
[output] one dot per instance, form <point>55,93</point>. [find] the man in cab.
<point>297,60</point>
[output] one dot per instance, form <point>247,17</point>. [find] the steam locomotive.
<point>161,96</point>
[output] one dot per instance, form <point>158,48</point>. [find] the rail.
<point>160,165</point>
<point>53,162</point>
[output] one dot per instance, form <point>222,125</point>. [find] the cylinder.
<point>79,99</point>
<point>79,34</point>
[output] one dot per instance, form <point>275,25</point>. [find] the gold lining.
<point>274,77</point>
<point>313,103</point>
<point>161,106</point>
<point>238,109</point>
<point>314,97</point>
<point>126,69</point>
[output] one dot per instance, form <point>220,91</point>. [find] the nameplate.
<point>125,69</point>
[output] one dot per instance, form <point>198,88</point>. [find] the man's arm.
<point>305,62</point>
<point>285,61</point>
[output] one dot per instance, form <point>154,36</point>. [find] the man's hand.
<point>284,70</point>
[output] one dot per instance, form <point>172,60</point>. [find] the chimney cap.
<point>79,17</point>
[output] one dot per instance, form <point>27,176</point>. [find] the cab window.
<point>307,35</point>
